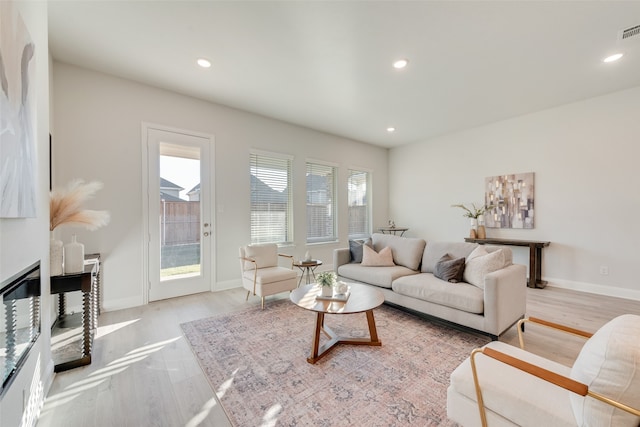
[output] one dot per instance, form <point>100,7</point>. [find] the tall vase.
<point>55,256</point>
<point>473,233</point>
<point>482,231</point>
<point>73,256</point>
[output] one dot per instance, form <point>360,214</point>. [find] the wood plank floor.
<point>144,374</point>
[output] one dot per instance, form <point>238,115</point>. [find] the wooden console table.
<point>535,256</point>
<point>86,282</point>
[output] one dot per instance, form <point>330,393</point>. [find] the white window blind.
<point>271,215</point>
<point>358,196</point>
<point>321,207</point>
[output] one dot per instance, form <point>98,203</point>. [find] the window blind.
<point>271,215</point>
<point>321,207</point>
<point>358,196</point>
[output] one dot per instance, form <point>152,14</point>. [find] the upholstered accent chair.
<point>503,385</point>
<point>261,274</point>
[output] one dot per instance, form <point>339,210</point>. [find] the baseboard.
<point>592,288</point>
<point>226,285</point>
<point>120,304</point>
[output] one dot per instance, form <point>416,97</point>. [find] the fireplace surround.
<point>20,321</point>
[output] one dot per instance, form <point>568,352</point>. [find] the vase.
<point>307,256</point>
<point>327,291</point>
<point>55,256</point>
<point>482,232</point>
<point>473,232</point>
<point>73,256</point>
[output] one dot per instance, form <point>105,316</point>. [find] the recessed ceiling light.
<point>613,58</point>
<point>401,63</point>
<point>391,129</point>
<point>204,63</point>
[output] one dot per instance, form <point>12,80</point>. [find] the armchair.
<point>261,274</point>
<point>502,385</point>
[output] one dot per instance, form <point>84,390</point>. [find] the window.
<point>321,208</point>
<point>271,216</point>
<point>359,206</point>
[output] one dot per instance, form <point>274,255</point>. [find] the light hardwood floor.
<point>144,374</point>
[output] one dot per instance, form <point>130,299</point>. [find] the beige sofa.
<point>490,307</point>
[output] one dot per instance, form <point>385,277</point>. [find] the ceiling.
<point>327,65</point>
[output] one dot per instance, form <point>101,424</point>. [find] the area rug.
<point>256,362</point>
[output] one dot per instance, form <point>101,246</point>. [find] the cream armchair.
<point>261,274</point>
<point>502,385</point>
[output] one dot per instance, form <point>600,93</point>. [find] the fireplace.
<point>19,322</point>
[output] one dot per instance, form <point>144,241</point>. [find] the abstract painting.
<point>17,135</point>
<point>511,200</point>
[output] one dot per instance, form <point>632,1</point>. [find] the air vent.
<point>628,33</point>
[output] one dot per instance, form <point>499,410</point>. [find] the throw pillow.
<point>608,364</point>
<point>480,263</point>
<point>449,268</point>
<point>371,258</point>
<point>355,249</point>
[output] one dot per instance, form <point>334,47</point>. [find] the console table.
<point>86,282</point>
<point>535,256</point>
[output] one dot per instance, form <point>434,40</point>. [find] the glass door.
<point>179,212</point>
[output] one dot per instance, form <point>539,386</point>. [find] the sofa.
<point>490,299</point>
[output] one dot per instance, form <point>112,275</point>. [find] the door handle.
<point>206,233</point>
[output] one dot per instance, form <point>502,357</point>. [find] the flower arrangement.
<point>473,212</point>
<point>65,206</point>
<point>326,278</point>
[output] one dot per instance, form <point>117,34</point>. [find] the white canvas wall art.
<point>17,135</point>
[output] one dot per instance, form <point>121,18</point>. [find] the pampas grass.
<point>65,206</point>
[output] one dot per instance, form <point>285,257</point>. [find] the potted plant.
<point>476,214</point>
<point>326,280</point>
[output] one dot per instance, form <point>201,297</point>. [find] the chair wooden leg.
<point>247,298</point>
<point>263,303</point>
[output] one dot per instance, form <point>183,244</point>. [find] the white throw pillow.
<point>371,258</point>
<point>480,263</point>
<point>609,364</point>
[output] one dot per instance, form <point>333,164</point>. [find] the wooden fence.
<point>179,223</point>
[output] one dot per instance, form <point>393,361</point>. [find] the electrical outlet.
<point>604,270</point>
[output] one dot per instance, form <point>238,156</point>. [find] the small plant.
<point>326,278</point>
<point>473,212</point>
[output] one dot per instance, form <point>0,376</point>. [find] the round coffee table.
<point>363,298</point>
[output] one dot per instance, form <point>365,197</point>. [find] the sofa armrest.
<point>505,297</point>
<point>340,257</point>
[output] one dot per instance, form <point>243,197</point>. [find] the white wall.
<point>585,159</point>
<point>25,241</point>
<point>98,137</point>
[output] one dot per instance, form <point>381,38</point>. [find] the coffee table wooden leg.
<point>373,332</point>
<point>315,344</point>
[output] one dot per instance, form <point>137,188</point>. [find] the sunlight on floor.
<point>104,374</point>
<point>204,412</point>
<point>225,385</point>
<point>107,329</point>
<point>271,416</point>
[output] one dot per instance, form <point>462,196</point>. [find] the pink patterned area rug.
<point>256,362</point>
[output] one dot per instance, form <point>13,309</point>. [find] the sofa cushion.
<point>480,263</point>
<point>355,249</point>
<point>521,398</point>
<point>427,287</point>
<point>377,276</point>
<point>435,250</point>
<point>407,251</point>
<point>265,255</point>
<point>449,269</point>
<point>371,258</point>
<point>609,364</point>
